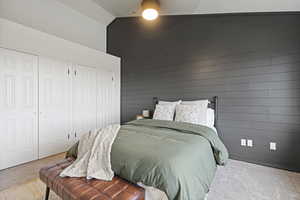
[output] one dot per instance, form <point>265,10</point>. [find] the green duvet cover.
<point>177,158</point>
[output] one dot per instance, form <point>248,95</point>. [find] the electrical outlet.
<point>249,143</point>
<point>273,146</point>
<point>243,142</point>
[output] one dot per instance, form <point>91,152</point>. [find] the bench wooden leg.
<point>47,193</point>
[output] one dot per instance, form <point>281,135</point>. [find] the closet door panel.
<point>18,108</point>
<point>54,90</point>
<point>83,101</point>
<point>105,98</point>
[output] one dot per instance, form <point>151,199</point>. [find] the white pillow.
<point>197,102</point>
<point>169,102</point>
<point>164,112</point>
<point>210,117</point>
<point>195,114</point>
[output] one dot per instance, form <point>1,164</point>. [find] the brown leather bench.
<point>82,189</point>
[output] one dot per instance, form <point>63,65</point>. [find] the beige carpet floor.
<point>31,190</point>
<point>237,181</point>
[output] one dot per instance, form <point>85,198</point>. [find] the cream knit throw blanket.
<point>93,160</point>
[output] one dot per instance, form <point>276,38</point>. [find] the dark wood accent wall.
<point>251,61</point>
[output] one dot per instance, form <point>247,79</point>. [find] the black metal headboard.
<point>213,104</point>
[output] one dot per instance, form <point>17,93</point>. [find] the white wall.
<point>56,18</point>
<point>21,38</point>
<point>18,37</point>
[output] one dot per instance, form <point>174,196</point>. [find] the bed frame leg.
<point>47,193</point>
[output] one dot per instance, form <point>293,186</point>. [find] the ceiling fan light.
<point>150,14</point>
<point>150,9</point>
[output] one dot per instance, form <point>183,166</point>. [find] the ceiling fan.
<point>150,9</point>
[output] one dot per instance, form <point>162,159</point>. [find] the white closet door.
<point>83,101</point>
<point>18,108</point>
<point>54,102</point>
<point>105,98</point>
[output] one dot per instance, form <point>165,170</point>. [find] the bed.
<point>177,158</point>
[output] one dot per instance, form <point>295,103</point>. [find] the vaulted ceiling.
<point>105,11</point>
<point>90,9</point>
<point>123,8</point>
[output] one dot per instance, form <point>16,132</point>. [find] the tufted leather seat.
<point>82,189</point>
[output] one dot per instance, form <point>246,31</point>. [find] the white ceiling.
<point>91,9</point>
<point>123,8</point>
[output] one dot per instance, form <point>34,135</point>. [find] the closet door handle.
<point>75,135</point>
<point>68,136</point>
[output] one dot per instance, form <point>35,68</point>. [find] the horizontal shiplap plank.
<point>252,58</point>
<point>275,77</point>
<point>249,133</point>
<point>217,72</point>
<point>260,102</point>
<point>255,125</point>
<point>262,93</point>
<point>279,118</point>
<point>146,95</point>
<point>274,85</point>
<point>276,110</point>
